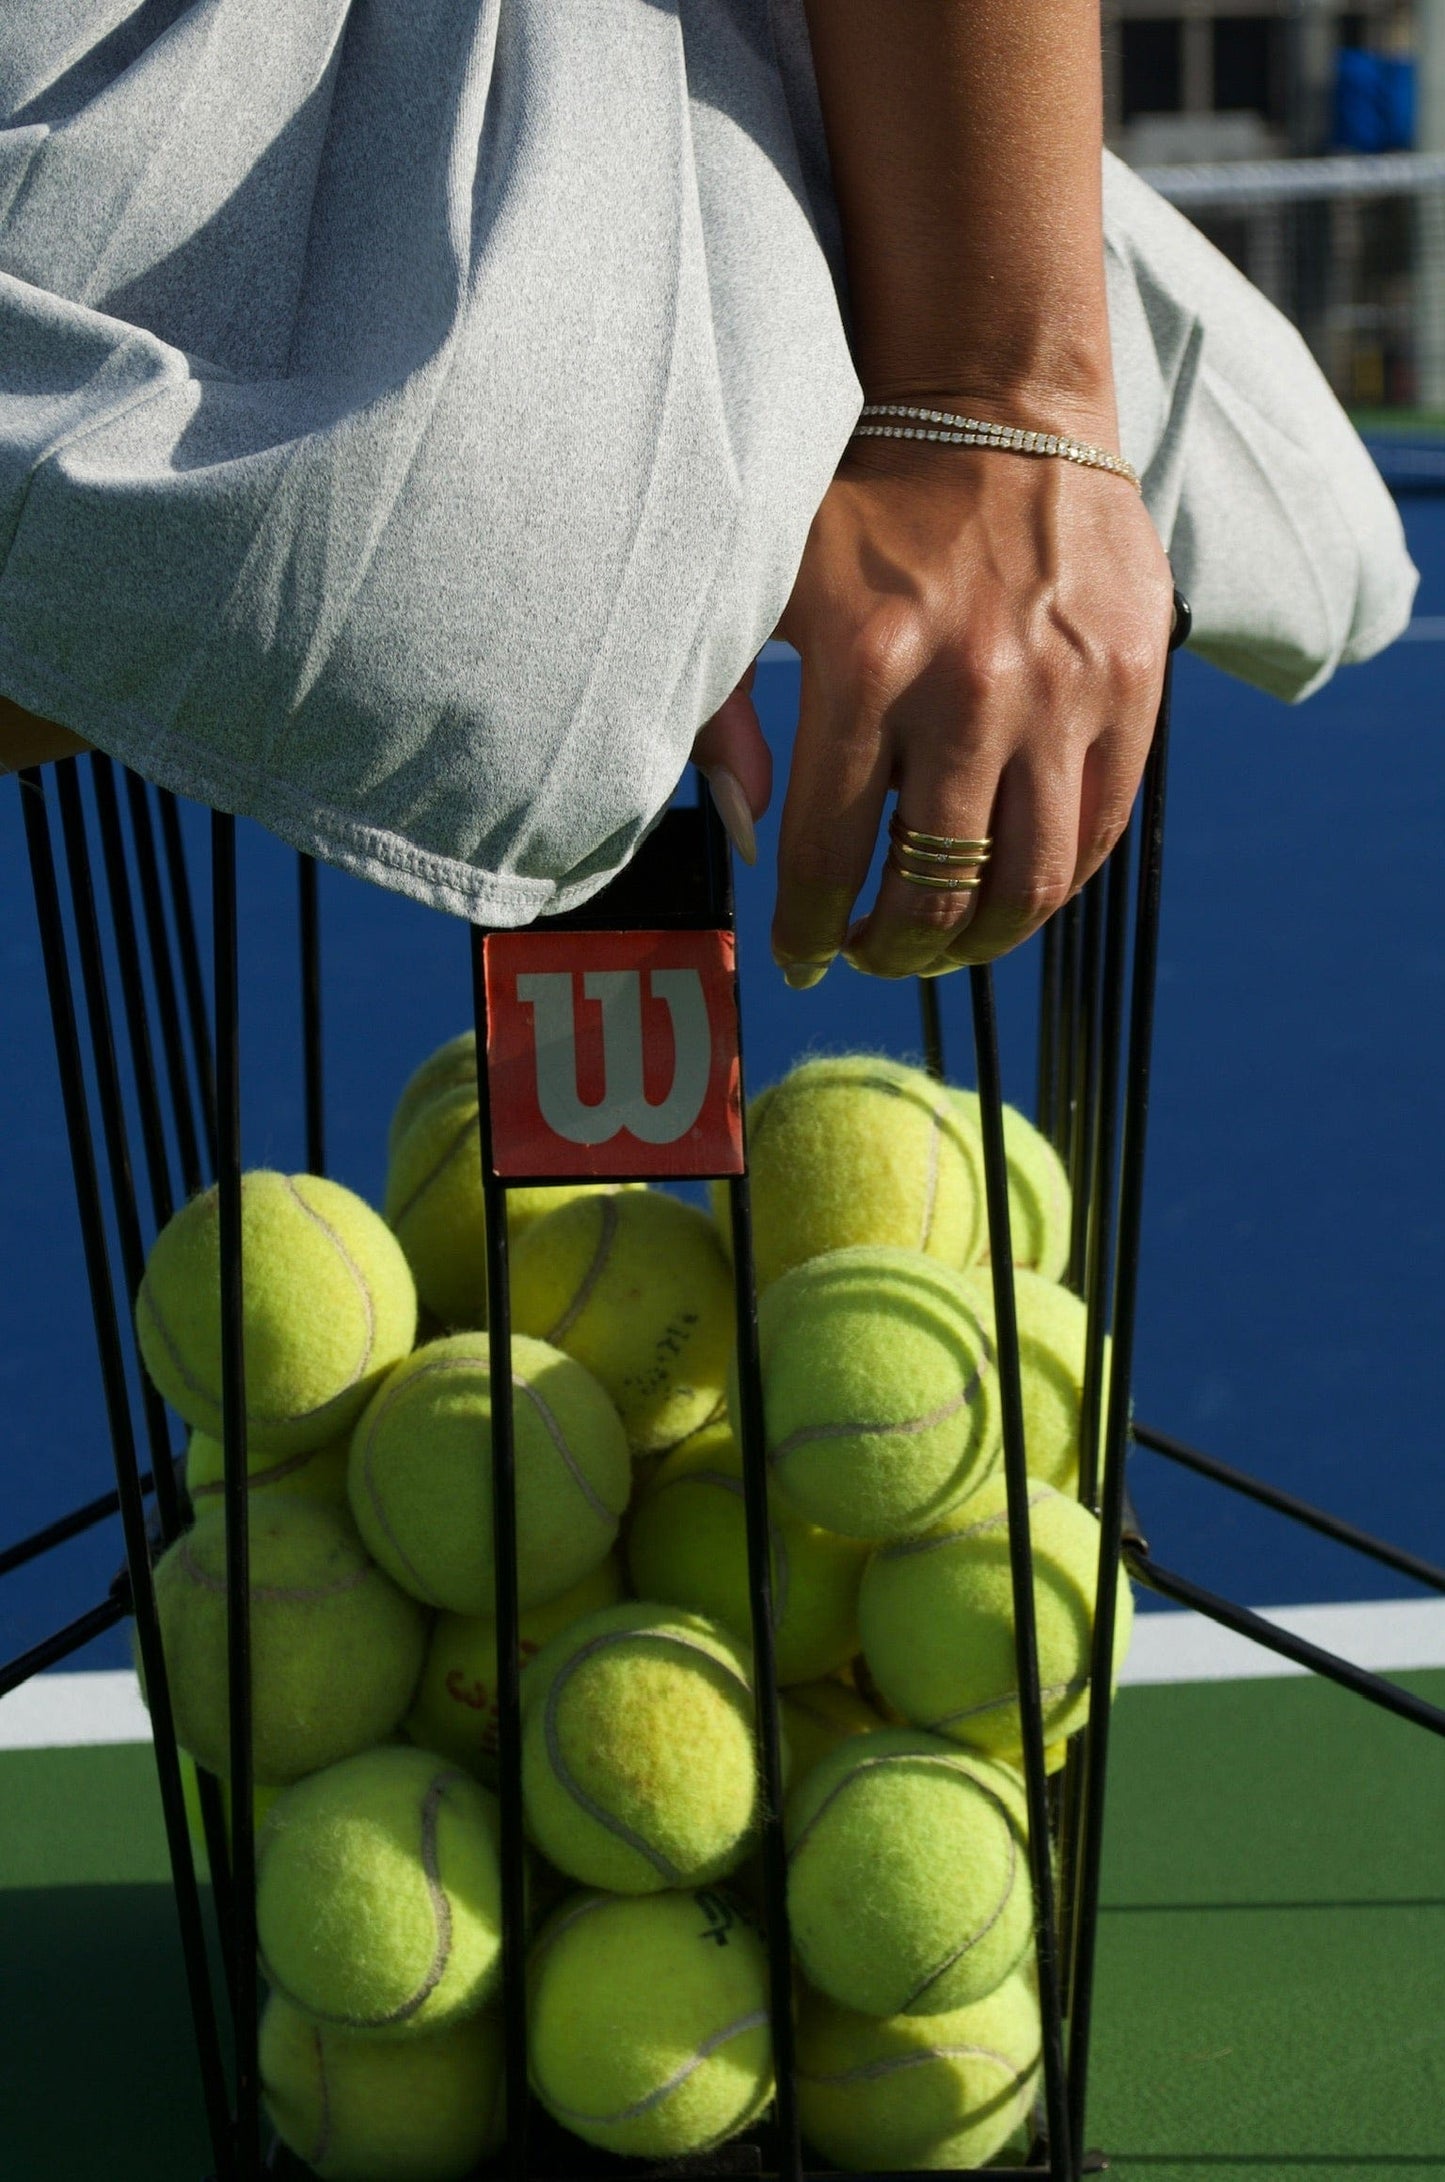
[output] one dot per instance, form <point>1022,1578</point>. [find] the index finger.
<point>837,784</point>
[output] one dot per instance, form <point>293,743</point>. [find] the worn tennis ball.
<point>420,1476</point>
<point>901,2092</point>
<point>638,1756</point>
<point>648,2022</point>
<point>336,1648</point>
<point>687,1545</point>
<point>879,1391</point>
<point>317,1474</point>
<point>938,1619</point>
<point>860,1149</point>
<point>329,1306</point>
<point>1040,1202</point>
<point>908,1880</point>
<point>635,1285</point>
<point>457,1702</point>
<point>378,1894</point>
<point>1052,1327</point>
<point>817,1716</point>
<point>433,1196</point>
<point>363,2109</point>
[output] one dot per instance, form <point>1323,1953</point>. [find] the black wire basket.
<point>144,1138</point>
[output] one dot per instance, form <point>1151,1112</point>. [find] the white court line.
<point>59,1711</point>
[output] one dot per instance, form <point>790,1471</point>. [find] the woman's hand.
<point>986,634</point>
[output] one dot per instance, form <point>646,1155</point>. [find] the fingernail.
<point>802,976</point>
<point>732,809</point>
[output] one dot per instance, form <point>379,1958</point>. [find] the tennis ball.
<point>648,2022</point>
<point>318,1474</point>
<point>635,1286</point>
<point>817,1716</point>
<point>938,1619</point>
<point>420,1473</point>
<point>687,1545</point>
<point>908,1880</point>
<point>336,1648</point>
<point>378,1894</point>
<point>433,1198</point>
<point>879,1391</point>
<point>1052,1327</point>
<point>638,1753</point>
<point>261,1803</point>
<point>1040,1202</point>
<point>456,1708</point>
<point>329,1307</point>
<point>899,2092</point>
<point>860,1150</point>
<point>361,2109</point>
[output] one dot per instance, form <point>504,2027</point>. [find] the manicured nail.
<point>802,976</point>
<point>732,809</point>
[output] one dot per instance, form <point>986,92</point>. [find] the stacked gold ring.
<point>938,860</point>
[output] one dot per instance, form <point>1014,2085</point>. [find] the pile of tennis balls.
<point>374,1655</point>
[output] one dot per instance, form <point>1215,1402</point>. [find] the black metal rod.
<point>753,1450</point>
<point>164,983</point>
<point>65,1527</point>
<point>112,1369</point>
<point>235,1495</point>
<point>311,1042</point>
<point>61,1643</point>
<point>1373,1687</point>
<point>1068,919</point>
<point>132,983</point>
<point>504,1565</point>
<point>1300,1511</point>
<point>111,1102</point>
<point>1026,1642</point>
<point>1097,1271</point>
<point>931,1021</point>
<point>188,947</point>
<point>1046,1093</point>
<point>1086,1088</point>
<point>1125,1301</point>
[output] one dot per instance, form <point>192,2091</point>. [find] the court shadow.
<point>98,2074</point>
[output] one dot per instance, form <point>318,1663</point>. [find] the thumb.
<point>729,750</point>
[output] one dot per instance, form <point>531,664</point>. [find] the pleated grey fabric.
<point>411,413</point>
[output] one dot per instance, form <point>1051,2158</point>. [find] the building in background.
<point>1212,97</point>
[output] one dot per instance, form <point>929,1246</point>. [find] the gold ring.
<point>909,837</point>
<point>960,885</point>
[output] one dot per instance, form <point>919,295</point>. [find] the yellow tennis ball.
<point>378,1894</point>
<point>420,1473</point>
<point>855,1150</point>
<point>648,2022</point>
<point>329,1307</point>
<point>638,1752</point>
<point>450,1067</point>
<point>433,1197</point>
<point>363,2109</point>
<point>938,1619</point>
<point>336,1648</point>
<point>635,1286</point>
<point>900,2092</point>
<point>1040,1202</point>
<point>879,1391</point>
<point>457,1703</point>
<point>817,1716</point>
<point>261,1803</point>
<point>1052,1326</point>
<point>908,1879</point>
<point>319,1473</point>
<point>687,1546</point>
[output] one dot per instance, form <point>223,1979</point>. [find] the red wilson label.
<point>613,1054</point>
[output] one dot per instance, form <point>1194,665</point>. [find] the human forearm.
<point>964,137</point>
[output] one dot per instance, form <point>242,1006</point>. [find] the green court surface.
<point>1272,1971</point>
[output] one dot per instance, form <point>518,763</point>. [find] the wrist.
<point>1035,404</point>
